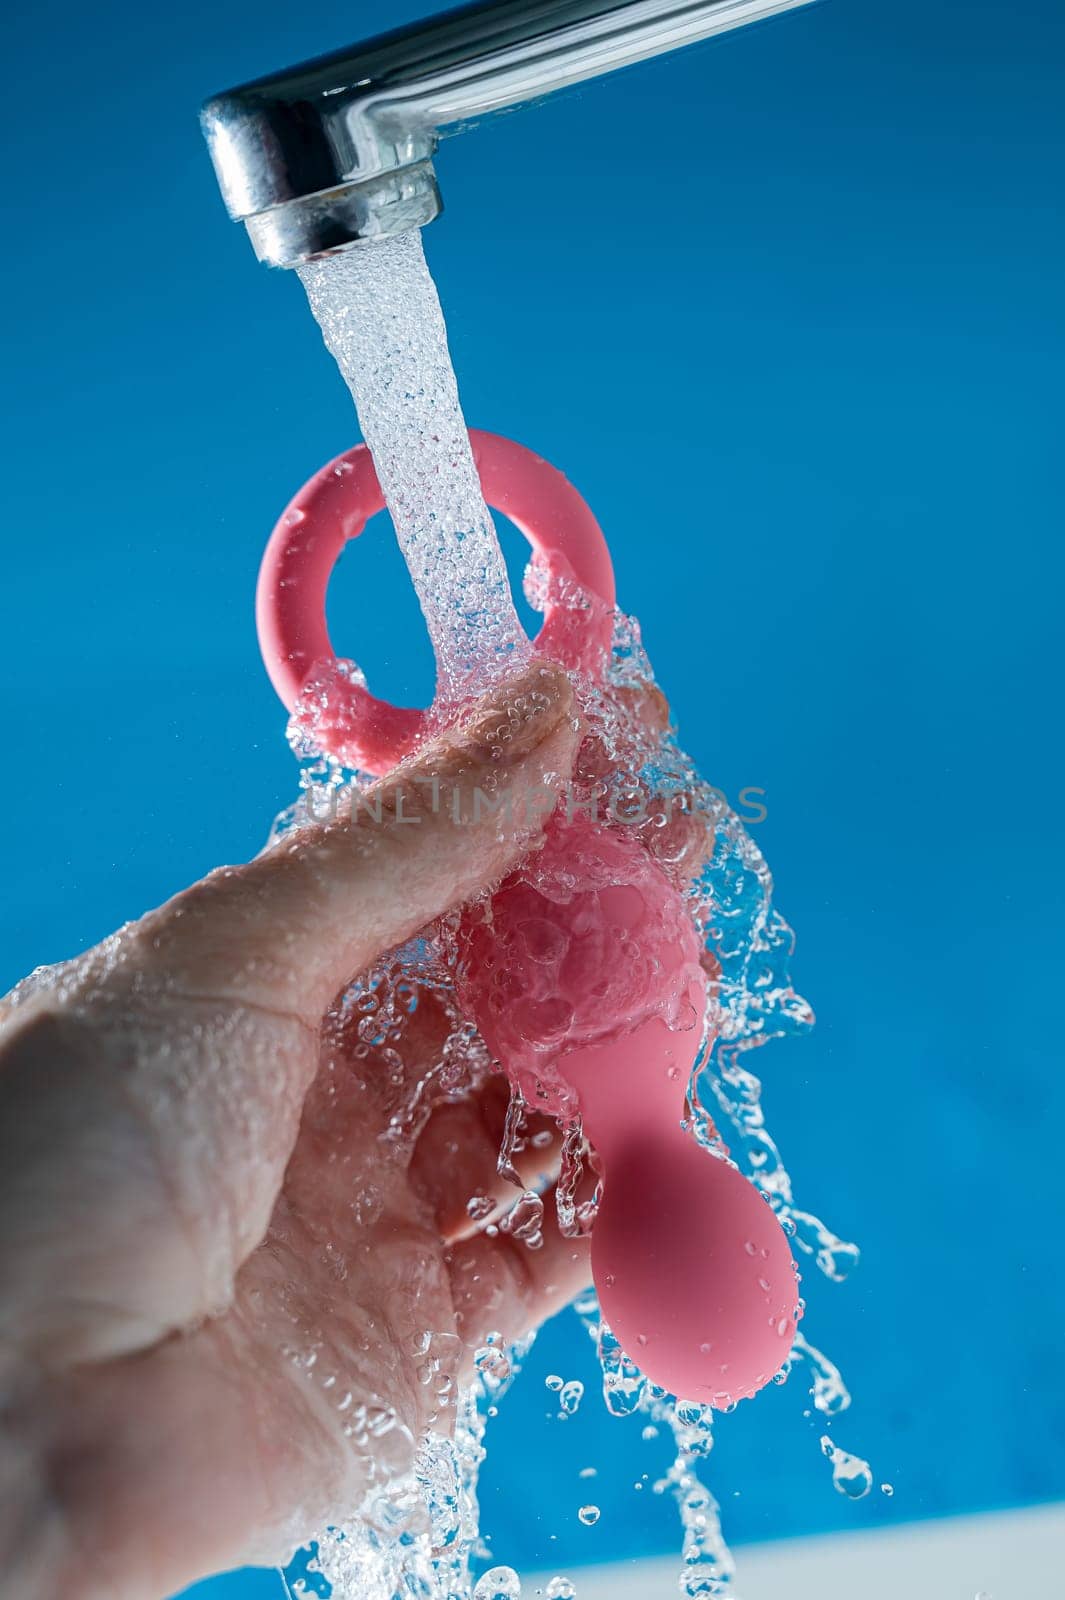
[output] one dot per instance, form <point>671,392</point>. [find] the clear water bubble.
<point>589,1515</point>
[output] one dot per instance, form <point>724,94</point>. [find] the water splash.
<point>830,1393</point>
<point>419,1539</point>
<point>690,830</point>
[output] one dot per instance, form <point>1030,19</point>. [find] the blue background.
<point>788,309</point>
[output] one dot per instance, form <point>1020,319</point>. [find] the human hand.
<point>218,1268</point>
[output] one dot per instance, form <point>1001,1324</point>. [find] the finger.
<point>289,928</point>
<point>498,1284</point>
<point>455,1168</point>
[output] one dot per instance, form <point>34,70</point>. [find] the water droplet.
<point>589,1515</point>
<point>571,1395</point>
<point>499,1583</point>
<point>851,1476</point>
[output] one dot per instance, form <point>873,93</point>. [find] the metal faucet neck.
<point>338,151</point>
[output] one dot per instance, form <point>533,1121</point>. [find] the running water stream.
<point>381,319</point>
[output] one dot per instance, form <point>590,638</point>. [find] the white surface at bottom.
<point>1016,1555</point>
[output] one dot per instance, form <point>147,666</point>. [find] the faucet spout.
<point>339,150</point>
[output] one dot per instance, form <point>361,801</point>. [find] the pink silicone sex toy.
<point>583,971</point>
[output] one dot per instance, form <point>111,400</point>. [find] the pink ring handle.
<point>335,506</point>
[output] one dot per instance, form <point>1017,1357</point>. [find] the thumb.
<point>290,928</point>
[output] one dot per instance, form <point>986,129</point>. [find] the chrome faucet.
<point>339,150</point>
